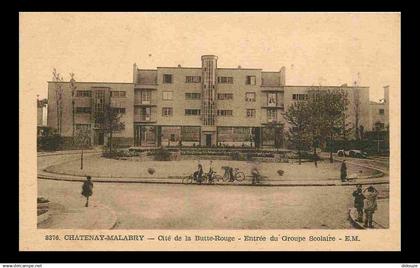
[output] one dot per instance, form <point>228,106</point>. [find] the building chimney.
<point>135,73</point>
<point>283,76</point>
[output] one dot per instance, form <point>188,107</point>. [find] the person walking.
<point>343,171</point>
<point>370,205</point>
<point>358,202</point>
<point>87,189</point>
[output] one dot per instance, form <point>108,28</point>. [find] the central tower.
<point>208,104</point>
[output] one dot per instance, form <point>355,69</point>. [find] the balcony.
<point>266,88</point>
<point>277,106</point>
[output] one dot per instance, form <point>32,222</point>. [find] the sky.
<point>315,48</point>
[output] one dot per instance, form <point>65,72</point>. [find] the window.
<point>225,96</point>
<point>146,96</point>
<point>118,94</point>
<point>192,111</point>
<point>167,78</point>
<point>193,79</point>
<point>250,97</point>
<point>83,110</point>
<point>167,111</point>
<point>272,99</point>
<point>225,80</point>
<point>251,80</point>
<point>300,96</point>
<point>144,113</point>
<point>190,134</point>
<point>271,115</point>
<point>381,111</point>
<point>84,93</point>
<point>224,112</point>
<point>192,96</point>
<point>250,112</point>
<point>167,95</point>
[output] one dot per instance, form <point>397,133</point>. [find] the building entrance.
<point>208,140</point>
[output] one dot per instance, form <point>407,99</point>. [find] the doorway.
<point>208,140</point>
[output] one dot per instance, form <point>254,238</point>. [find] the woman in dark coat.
<point>87,189</point>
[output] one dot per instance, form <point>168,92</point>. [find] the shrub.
<point>151,171</point>
<point>51,142</point>
<point>162,155</point>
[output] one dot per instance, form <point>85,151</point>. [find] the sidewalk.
<point>247,182</point>
<point>96,216</point>
<point>380,217</point>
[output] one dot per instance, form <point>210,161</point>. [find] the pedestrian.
<point>358,202</point>
<point>198,175</point>
<point>87,189</point>
<point>370,205</point>
<point>343,171</point>
<point>255,173</point>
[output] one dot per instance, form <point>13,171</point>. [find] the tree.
<point>315,115</point>
<point>109,122</point>
<point>82,140</point>
<point>333,122</point>
<point>297,116</point>
<point>73,90</point>
<point>58,79</point>
<point>356,107</point>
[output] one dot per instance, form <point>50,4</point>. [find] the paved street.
<point>165,206</point>
<point>154,206</point>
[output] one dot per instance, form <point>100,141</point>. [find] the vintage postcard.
<point>209,131</point>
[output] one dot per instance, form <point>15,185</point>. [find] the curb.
<point>43,217</point>
<point>353,221</point>
<point>154,181</point>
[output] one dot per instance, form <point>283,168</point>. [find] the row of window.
<point>88,94</point>
<point>168,111</point>
<point>88,110</point>
<point>249,80</point>
<point>167,95</point>
<point>299,96</point>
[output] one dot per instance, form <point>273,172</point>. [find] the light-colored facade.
<point>204,106</point>
<point>379,112</point>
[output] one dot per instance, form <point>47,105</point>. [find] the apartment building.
<point>204,105</point>
<point>379,112</point>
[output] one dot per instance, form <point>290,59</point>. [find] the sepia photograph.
<point>224,122</point>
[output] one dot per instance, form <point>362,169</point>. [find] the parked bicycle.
<point>233,174</point>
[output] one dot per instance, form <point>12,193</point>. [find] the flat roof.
<point>83,82</point>
<point>327,86</point>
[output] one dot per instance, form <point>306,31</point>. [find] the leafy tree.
<point>333,116</point>
<point>297,115</point>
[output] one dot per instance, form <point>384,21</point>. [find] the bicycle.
<point>237,175</point>
<point>190,179</point>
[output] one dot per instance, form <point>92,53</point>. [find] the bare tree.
<point>58,80</point>
<point>82,140</point>
<point>356,106</point>
<point>73,90</point>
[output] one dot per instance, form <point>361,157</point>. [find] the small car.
<point>352,153</point>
